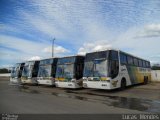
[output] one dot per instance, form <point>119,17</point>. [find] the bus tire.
<point>123,83</point>
<point>145,80</point>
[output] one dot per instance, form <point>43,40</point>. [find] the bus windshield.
<point>13,72</point>
<point>27,71</point>
<point>44,71</point>
<point>96,68</point>
<point>65,71</point>
<point>16,71</point>
<point>100,68</point>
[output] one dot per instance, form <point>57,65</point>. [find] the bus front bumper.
<point>46,82</point>
<point>67,84</point>
<point>14,81</point>
<point>98,85</point>
<point>29,81</point>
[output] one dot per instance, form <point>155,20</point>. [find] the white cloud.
<point>156,56</point>
<point>57,50</point>
<point>41,24</point>
<point>153,27</point>
<point>78,23</point>
<point>144,46</point>
<point>35,58</point>
<point>151,30</point>
<point>22,45</point>
<point>66,20</point>
<point>91,47</point>
<point>22,49</point>
<point>19,50</point>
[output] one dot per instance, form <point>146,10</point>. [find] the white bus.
<point>30,72</point>
<point>69,72</point>
<point>47,71</point>
<point>16,73</point>
<point>111,69</point>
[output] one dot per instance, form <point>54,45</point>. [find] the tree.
<point>155,67</point>
<point>4,70</point>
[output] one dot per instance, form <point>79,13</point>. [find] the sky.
<point>27,28</point>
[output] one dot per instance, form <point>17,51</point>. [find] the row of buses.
<point>109,69</point>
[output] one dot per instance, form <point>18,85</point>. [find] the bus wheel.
<point>145,80</point>
<point>123,84</point>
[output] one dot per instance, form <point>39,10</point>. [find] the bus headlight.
<point>84,78</point>
<point>108,81</point>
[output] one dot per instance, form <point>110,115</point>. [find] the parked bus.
<point>69,72</point>
<point>113,69</point>
<point>47,71</point>
<point>16,73</point>
<point>30,72</point>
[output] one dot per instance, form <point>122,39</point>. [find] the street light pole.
<point>53,47</point>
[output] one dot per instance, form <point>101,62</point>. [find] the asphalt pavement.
<point>50,100</point>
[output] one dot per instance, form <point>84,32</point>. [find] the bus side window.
<point>144,63</point>
<point>140,63</point>
<point>123,58</point>
<point>130,60</point>
<point>135,60</point>
<point>149,64</point>
<point>114,55</point>
<point>113,64</point>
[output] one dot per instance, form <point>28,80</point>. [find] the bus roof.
<point>119,51</point>
<point>49,58</point>
<point>32,60</point>
<point>134,56</point>
<point>72,56</point>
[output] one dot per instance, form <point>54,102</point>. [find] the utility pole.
<point>53,47</point>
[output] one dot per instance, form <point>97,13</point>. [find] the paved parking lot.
<point>44,99</point>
